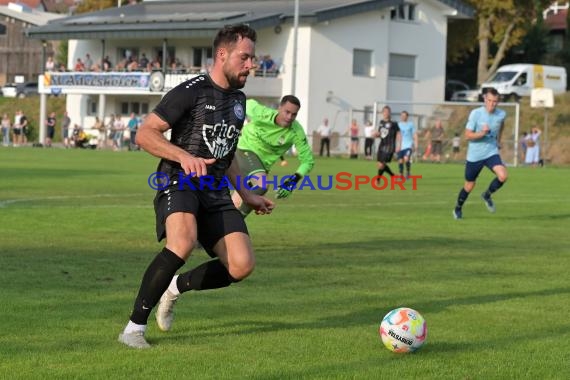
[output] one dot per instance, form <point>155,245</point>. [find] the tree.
<point>97,5</point>
<point>498,26</point>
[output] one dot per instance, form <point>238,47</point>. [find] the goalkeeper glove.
<point>288,186</point>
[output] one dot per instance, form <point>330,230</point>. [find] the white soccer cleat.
<point>164,311</point>
<point>134,339</point>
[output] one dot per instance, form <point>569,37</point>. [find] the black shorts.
<point>214,219</point>
<point>383,156</point>
<point>436,147</point>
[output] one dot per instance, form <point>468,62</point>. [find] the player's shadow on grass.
<point>41,173</point>
<point>545,217</point>
<point>366,317</point>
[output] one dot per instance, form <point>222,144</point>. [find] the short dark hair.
<point>387,108</point>
<point>491,90</point>
<point>230,34</point>
<point>291,99</point>
<point>406,112</point>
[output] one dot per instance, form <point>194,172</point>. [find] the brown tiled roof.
<point>34,4</point>
<point>57,6</point>
<point>556,21</point>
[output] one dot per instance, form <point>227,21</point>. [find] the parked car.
<point>466,96</point>
<point>20,90</point>
<point>452,85</point>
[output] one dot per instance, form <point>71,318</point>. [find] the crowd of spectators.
<point>265,65</point>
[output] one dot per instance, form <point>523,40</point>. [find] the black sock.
<point>401,167</point>
<point>387,169</point>
<point>461,198</point>
<point>408,167</point>
<point>155,281</point>
<point>209,275</point>
<point>380,172</point>
<point>494,186</point>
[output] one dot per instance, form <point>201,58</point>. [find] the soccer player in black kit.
<point>205,114</point>
<point>390,140</point>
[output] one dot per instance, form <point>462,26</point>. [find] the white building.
<point>349,54</point>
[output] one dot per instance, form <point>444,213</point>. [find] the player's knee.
<point>181,247</point>
<point>241,270</point>
<point>502,177</point>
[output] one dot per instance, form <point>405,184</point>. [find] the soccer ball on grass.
<point>403,330</point>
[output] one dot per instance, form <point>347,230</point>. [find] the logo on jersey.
<point>210,107</point>
<point>238,110</point>
<point>220,138</point>
<point>384,131</point>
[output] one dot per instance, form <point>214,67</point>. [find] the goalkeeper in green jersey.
<point>268,135</point>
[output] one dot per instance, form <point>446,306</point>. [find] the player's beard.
<point>238,80</point>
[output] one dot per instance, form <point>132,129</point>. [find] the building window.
<point>2,30</point>
<point>406,12</point>
<point>200,56</point>
<point>402,66</point>
<point>136,107</point>
<point>92,109</point>
<point>362,63</point>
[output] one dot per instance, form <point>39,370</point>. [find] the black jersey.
<point>205,121</point>
<point>388,131</point>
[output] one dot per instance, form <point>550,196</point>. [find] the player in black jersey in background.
<point>390,140</point>
<point>206,115</point>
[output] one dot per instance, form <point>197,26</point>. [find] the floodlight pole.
<point>295,34</point>
<point>545,147</point>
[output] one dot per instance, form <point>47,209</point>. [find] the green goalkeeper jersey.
<point>269,141</point>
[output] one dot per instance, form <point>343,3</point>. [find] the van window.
<point>521,80</point>
<point>503,76</point>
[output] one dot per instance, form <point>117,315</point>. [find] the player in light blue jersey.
<point>483,132</point>
<point>409,143</point>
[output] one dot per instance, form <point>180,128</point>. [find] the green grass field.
<point>77,232</point>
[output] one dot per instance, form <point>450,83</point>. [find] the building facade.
<point>20,57</point>
<point>340,55</point>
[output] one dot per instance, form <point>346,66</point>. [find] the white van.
<point>517,80</point>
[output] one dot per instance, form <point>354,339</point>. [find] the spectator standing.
<point>50,64</point>
<point>524,147</point>
<point>456,143</point>
<point>5,130</point>
<point>17,129</point>
<point>65,132</point>
<point>88,63</point>
<point>533,147</point>
<point>79,65</point>
<point>118,131</point>
<point>353,131</point>
<point>368,140</point>
<point>437,134</point>
<point>133,126</point>
<point>324,131</point>
<point>50,123</point>
<point>101,132</point>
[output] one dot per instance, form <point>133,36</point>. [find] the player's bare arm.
<point>398,141</point>
<point>472,135</point>
<point>150,137</point>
